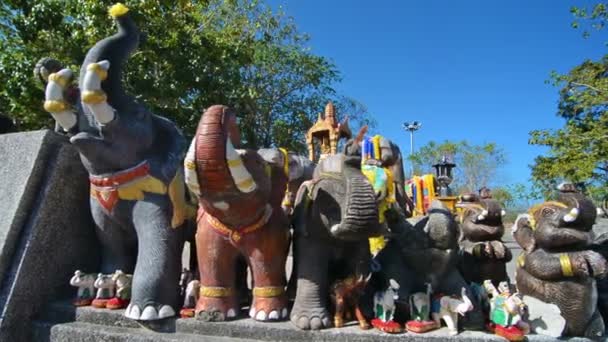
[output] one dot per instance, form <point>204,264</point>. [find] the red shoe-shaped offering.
<point>511,333</point>
<point>117,303</point>
<point>390,327</point>
<point>99,303</point>
<point>82,302</point>
<point>421,326</point>
<point>186,313</point>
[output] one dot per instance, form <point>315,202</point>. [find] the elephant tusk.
<point>572,215</point>
<point>190,170</point>
<point>481,217</point>
<point>242,178</point>
<point>503,213</point>
<point>92,94</point>
<point>54,101</point>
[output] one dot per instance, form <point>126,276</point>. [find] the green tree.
<point>578,151</point>
<point>196,54</point>
<point>477,165</point>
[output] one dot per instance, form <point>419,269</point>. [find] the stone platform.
<point>62,322</point>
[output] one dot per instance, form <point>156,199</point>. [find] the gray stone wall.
<point>46,231</point>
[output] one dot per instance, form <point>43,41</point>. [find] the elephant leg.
<point>155,291</point>
<point>267,253</point>
<point>339,307</point>
<point>310,308</point>
<point>362,321</point>
<point>217,266</point>
<point>119,247</point>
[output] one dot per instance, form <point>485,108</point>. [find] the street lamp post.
<point>412,127</point>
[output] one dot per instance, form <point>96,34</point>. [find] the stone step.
<point>90,324</point>
<point>83,332</point>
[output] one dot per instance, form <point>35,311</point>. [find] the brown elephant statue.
<point>557,265</point>
<point>240,196</point>
<point>483,254</point>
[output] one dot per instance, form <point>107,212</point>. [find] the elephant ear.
<point>523,232</point>
<point>302,208</point>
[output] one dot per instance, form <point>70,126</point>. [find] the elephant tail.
<point>115,49</point>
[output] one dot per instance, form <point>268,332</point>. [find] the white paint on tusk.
<point>55,102</point>
<point>242,178</point>
<point>190,170</point>
<point>572,215</point>
<point>93,96</point>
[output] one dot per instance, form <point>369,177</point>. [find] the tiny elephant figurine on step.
<point>335,214</point>
<point>557,265</point>
<point>133,158</point>
<point>449,308</point>
<point>483,254</point>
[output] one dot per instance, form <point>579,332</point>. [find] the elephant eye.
<point>546,212</point>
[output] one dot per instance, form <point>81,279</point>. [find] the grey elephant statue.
<point>335,214</point>
<point>558,265</point>
<point>483,254</point>
<point>134,158</point>
<point>424,250</point>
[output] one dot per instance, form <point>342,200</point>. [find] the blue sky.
<point>472,70</point>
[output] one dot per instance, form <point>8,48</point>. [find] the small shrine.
<point>443,169</point>
<point>328,131</point>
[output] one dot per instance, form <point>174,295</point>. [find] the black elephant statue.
<point>483,254</point>
<point>558,265</point>
<point>424,250</point>
<point>335,214</point>
<point>134,159</point>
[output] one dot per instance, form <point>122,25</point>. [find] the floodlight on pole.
<point>412,127</point>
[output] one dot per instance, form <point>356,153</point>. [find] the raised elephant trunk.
<point>219,166</point>
<point>115,50</point>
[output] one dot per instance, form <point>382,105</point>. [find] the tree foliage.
<point>477,165</point>
<point>578,151</point>
<point>196,54</point>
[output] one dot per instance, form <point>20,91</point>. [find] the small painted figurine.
<point>345,295</point>
<point>449,308</point>
<point>105,290</point>
<point>86,289</point>
<point>420,312</point>
<point>506,312</point>
<point>123,290</point>
<point>190,298</point>
<point>384,309</point>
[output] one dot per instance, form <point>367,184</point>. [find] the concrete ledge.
<point>78,332</point>
<point>245,328</point>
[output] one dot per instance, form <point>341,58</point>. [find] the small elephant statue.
<point>483,254</point>
<point>106,289</point>
<point>335,214</point>
<point>123,283</point>
<point>86,289</point>
<point>557,265</point>
<point>449,308</point>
